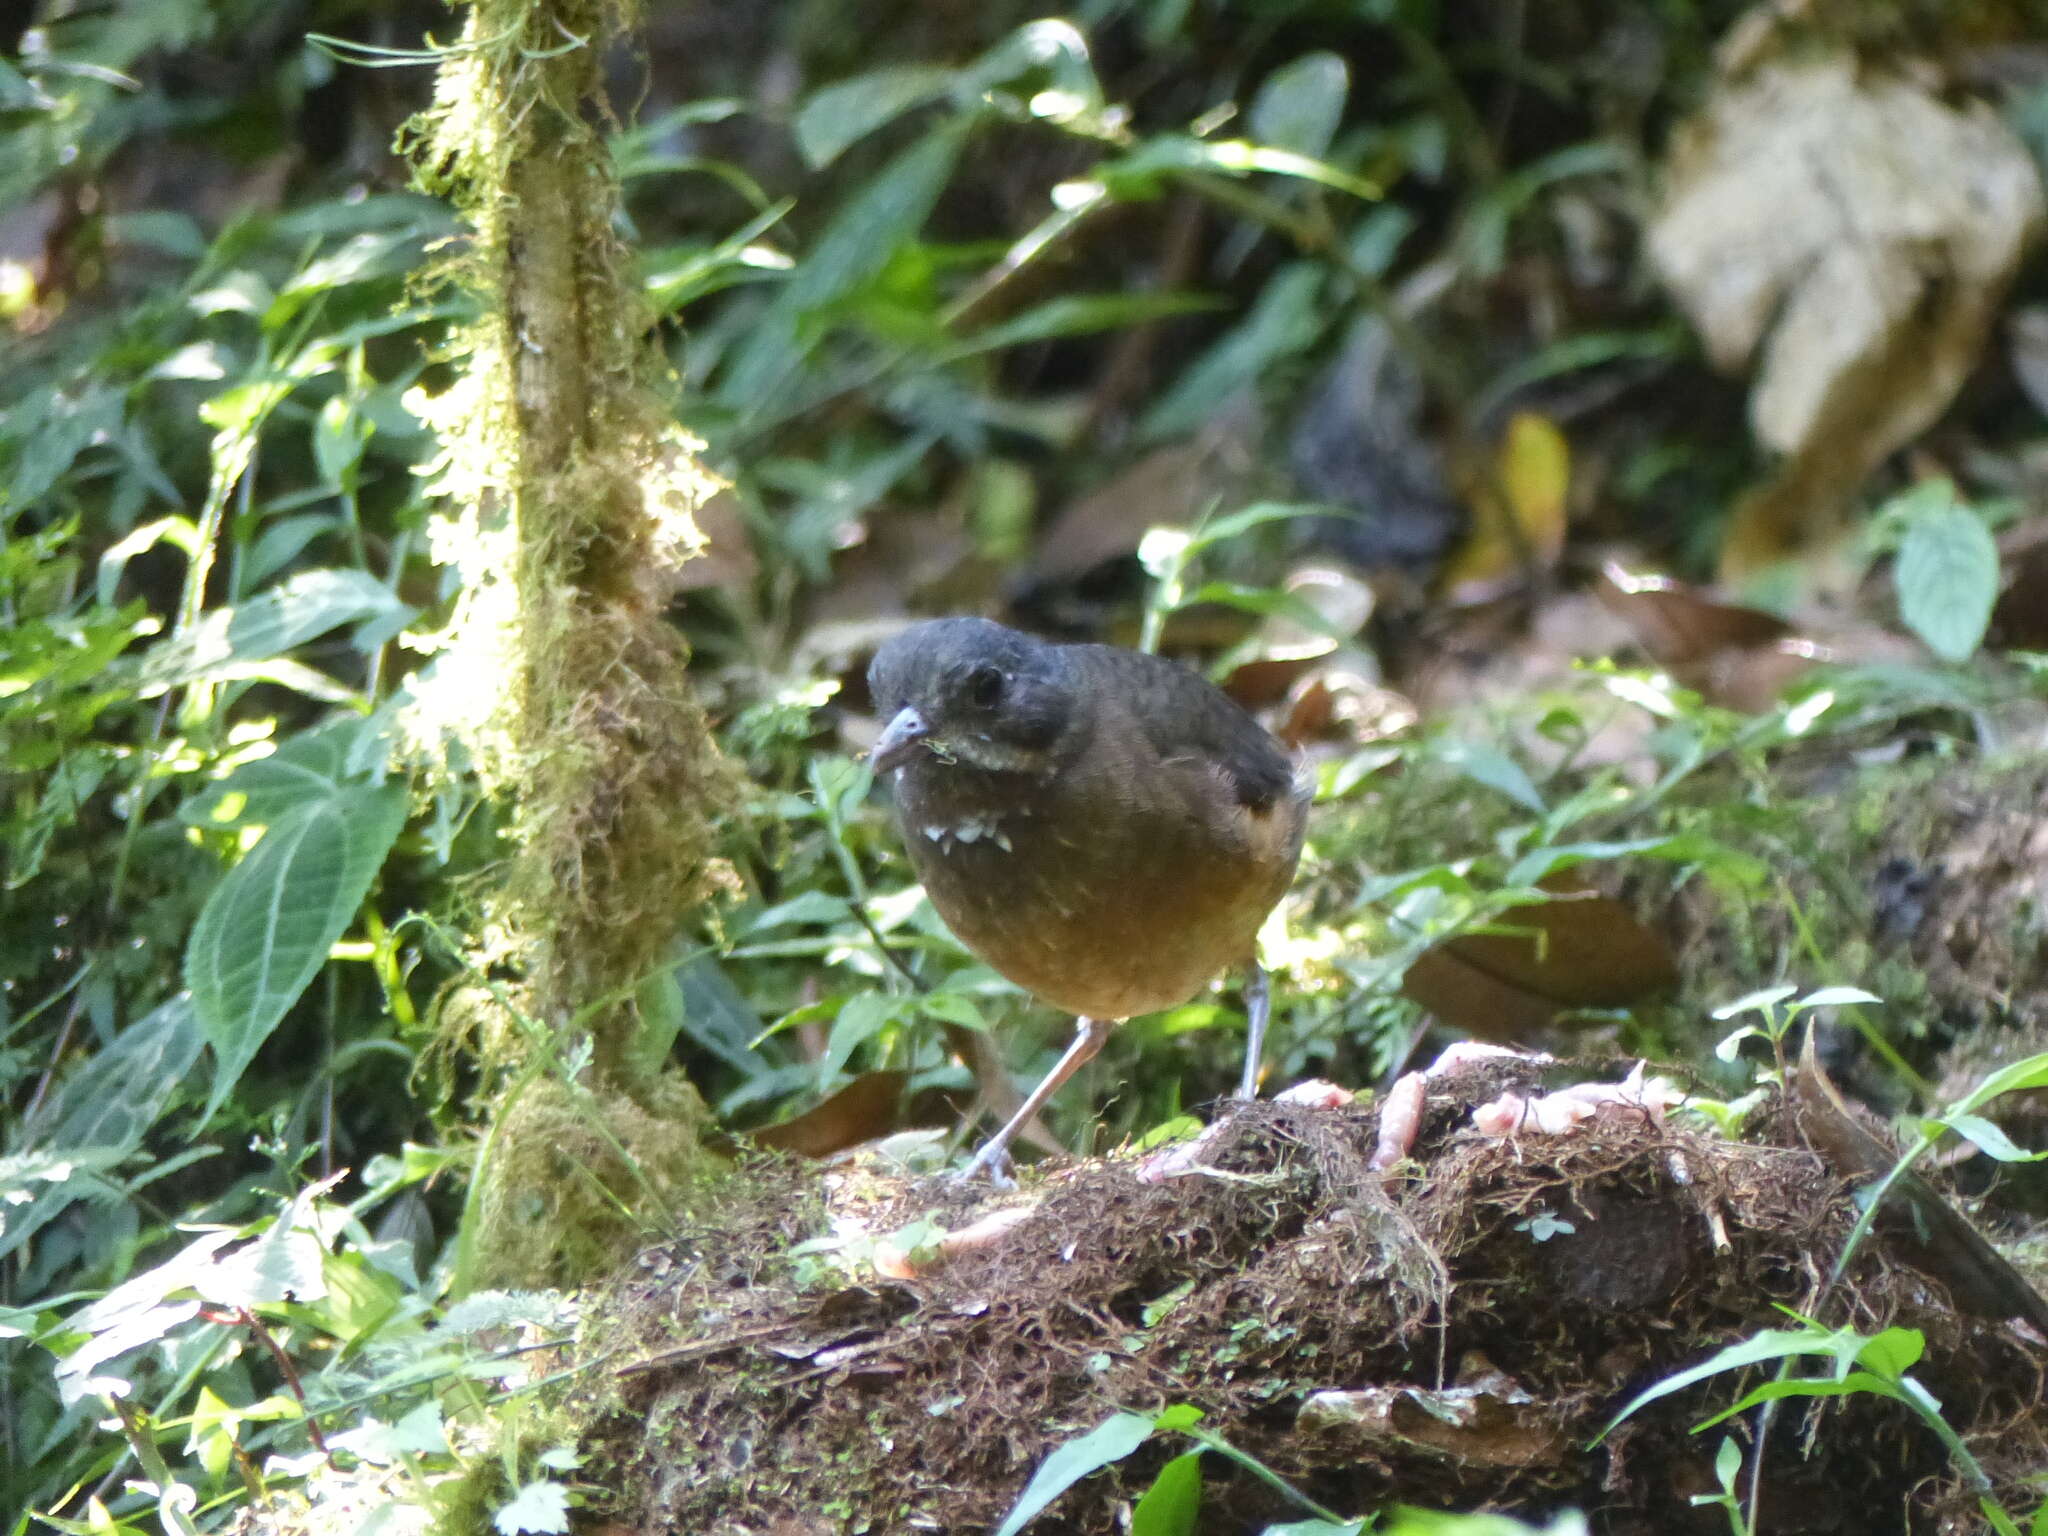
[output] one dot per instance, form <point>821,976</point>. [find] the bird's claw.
<point>992,1161</point>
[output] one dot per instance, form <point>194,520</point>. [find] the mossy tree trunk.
<point>569,492</point>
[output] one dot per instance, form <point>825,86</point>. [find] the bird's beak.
<point>902,736</point>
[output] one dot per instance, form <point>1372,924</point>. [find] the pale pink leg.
<point>1088,1037</point>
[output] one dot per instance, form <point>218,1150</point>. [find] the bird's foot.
<point>992,1162</point>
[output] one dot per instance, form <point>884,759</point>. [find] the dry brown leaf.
<point>1850,233</point>
<point>1166,488</point>
<point>866,1109</point>
<point>1734,656</point>
<point>1583,950</point>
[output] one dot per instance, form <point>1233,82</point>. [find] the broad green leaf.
<point>1947,578</point>
<point>312,766</point>
<point>1266,600</point>
<point>356,260</point>
<point>863,1017</point>
<point>847,111</point>
<point>1989,1139</point>
<point>1493,768</point>
<point>715,1014</point>
<point>17,94</point>
<point>267,625</point>
<point>802,909</point>
<point>159,229</point>
<point>137,1313</point>
<point>340,433</point>
<point>1165,158</point>
<point>885,213</point>
<point>118,1095</point>
<point>283,540</point>
<point>1728,1462</point>
<point>1285,319</point>
<point>1300,104</point>
<point>854,248</point>
<point>1893,1352</point>
<point>952,1008</point>
<point>1170,1505</point>
<point>265,931</point>
<point>53,427</point>
<point>1110,1441</point>
<point>36,1187</point>
<point>2030,1073</point>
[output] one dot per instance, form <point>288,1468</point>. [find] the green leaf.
<point>863,1017</point>
<point>1893,1352</point>
<point>715,1014</point>
<point>1220,530</point>
<point>1769,1344</point>
<point>847,111</point>
<point>266,929</point>
<point>889,210</point>
<point>1286,318</point>
<point>1493,768</point>
<point>292,612</point>
<point>1728,1462</point>
<point>1947,578</point>
<point>313,766</point>
<point>53,428</point>
<point>1989,1139</point>
<point>1300,104</point>
<point>1082,313</point>
<point>1838,997</point>
<point>854,249</point>
<point>1051,52</point>
<point>1170,1505</point>
<point>2030,1073</point>
<point>1110,1441</point>
<point>118,1095</point>
<point>1532,866</point>
<point>1760,1001</point>
<point>1806,1386</point>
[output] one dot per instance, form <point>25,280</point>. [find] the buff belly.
<point>1108,927</point>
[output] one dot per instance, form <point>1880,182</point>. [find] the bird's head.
<point>969,692</point>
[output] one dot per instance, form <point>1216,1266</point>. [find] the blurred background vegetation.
<point>1338,347</point>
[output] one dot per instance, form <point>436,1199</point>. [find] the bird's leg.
<point>1088,1037</point>
<point>1258,1007</point>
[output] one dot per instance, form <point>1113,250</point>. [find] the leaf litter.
<point>1452,1334</point>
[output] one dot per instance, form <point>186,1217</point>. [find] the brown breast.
<point>1118,887</point>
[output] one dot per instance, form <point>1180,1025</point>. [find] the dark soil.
<point>1454,1335</point>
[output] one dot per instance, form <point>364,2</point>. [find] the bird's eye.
<point>984,687</point>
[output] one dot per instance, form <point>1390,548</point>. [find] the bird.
<point>1104,827</point>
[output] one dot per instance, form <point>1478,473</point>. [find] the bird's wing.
<point>1184,716</point>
